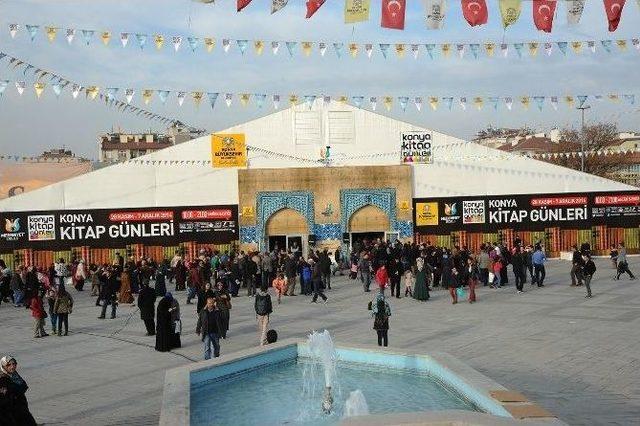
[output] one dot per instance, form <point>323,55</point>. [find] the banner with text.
<point>228,150</point>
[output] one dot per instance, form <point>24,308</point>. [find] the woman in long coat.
<point>181,275</point>
<point>125,296</point>
<point>146,303</point>
<point>223,299</point>
<point>421,288</point>
<point>164,326</point>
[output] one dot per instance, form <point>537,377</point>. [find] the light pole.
<point>582,108</point>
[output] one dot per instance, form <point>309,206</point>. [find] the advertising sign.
<point>426,214</point>
<point>103,228</point>
<point>415,147</point>
<point>529,212</point>
<point>228,150</point>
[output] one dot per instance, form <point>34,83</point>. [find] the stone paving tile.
<point>575,357</point>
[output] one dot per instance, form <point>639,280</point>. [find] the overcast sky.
<point>29,126</point>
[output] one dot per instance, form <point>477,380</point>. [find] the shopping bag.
<point>178,327</point>
<point>492,277</point>
<point>461,293</point>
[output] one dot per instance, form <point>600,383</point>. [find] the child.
<point>496,267</point>
<point>280,286</point>
<point>589,269</point>
<point>409,279</point>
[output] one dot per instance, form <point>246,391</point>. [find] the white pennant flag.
<point>226,44</point>
<point>128,95</point>
<point>71,33</point>
<point>508,101</point>
<point>554,102</point>
<point>460,49</point>
<point>415,48</point>
<point>326,101</point>
<point>75,90</point>
<point>574,11</point>
<point>13,30</point>
<point>177,41</point>
<point>505,49</point>
<point>276,101</point>
<point>275,46</point>
<point>20,86</point>
<point>374,102</point>
<point>434,13</point>
<point>228,98</point>
<point>276,5</point>
<point>181,96</point>
<point>418,102</point>
<point>369,49</point>
<point>323,48</point>
<point>124,39</point>
<point>463,103</point>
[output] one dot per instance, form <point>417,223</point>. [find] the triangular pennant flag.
<point>388,102</point>
<point>258,47</point>
<point>430,48</point>
<point>403,101</point>
<point>533,49</point>
<point>241,4</point>
<point>613,9</point>
<point>326,101</point>
<point>142,40</point>
<point>146,96</point>
<point>276,101</point>
<point>338,48</point>
<point>13,30</point>
<point>548,47</point>
<point>3,86</point>
<point>353,49</point>
<point>433,103</point>
<point>369,49</point>
<point>111,92</point>
<point>510,11</point>
<point>226,45</point>
<point>259,99</point>
<point>313,6</point>
<point>478,102</point>
<point>539,100</point>
<point>493,101</point>
<point>57,89</point>
<point>373,101</point>
<point>475,50</point>
<point>518,47</point>
<point>228,99</point>
<point>400,49</point>
<point>622,45</point>
<point>636,43</point>
<point>27,68</point>
<point>244,99</point>
<point>570,101</point>
<point>128,95</point>
<point>606,44</point>
<point>417,101</point>
<point>209,44</point>
<point>490,48</point>
<point>322,46</point>
<point>291,45</point>
<point>463,103</point>
<point>415,49</point>
<point>32,30</point>
<point>92,92</point>
<point>357,101</point>
<point>193,43</point>
<point>574,11</point>
<point>460,49</point>
<point>20,86</point>
<point>504,48</point>
<point>592,45</point>
<point>87,35</point>
<point>576,46</point>
<point>39,88</point>
<point>343,99</point>
<point>446,49</point>
<point>508,102</point>
<point>158,39</point>
<point>51,33</point>
<point>277,5</point>
<point>275,46</point>
<point>293,99</point>
<point>177,42</point>
<point>75,90</point>
<point>554,102</point>
<point>562,45</point>
<point>124,39</point>
<point>384,48</point>
<point>581,100</point>
<point>163,94</point>
<point>197,98</point>
<point>242,45</point>
<point>213,97</point>
<point>630,98</point>
<point>181,96</point>
<point>614,98</point>
<point>308,100</point>
<point>70,34</point>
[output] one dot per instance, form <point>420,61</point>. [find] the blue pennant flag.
<point>448,101</point>
<point>111,92</point>
<point>3,86</point>
<point>163,94</point>
<point>33,30</point>
<point>338,48</point>
<point>57,89</point>
<point>430,48</point>
<point>308,100</point>
<point>606,44</point>
<point>259,100</point>
<point>630,98</point>
<point>87,35</point>
<point>242,45</point>
<point>357,100</point>
<point>562,45</point>
<point>581,100</point>
<point>193,43</point>
<point>518,47</point>
<point>291,45</point>
<point>403,100</point>
<point>493,101</point>
<point>475,49</point>
<point>539,100</point>
<point>384,48</point>
<point>142,40</point>
<point>213,97</point>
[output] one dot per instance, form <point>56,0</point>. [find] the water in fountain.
<point>319,377</point>
<point>356,405</point>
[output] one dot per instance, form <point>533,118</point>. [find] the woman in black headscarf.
<point>14,408</point>
<point>164,326</point>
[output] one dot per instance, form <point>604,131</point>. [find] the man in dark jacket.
<point>316,280</point>
<point>576,267</point>
<point>251,270</point>
<point>325,268</point>
<point>518,261</point>
<point>209,328</point>
<point>109,293</point>
<point>146,303</point>
<point>263,309</point>
<point>291,272</point>
<point>589,270</point>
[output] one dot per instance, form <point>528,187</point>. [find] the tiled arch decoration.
<point>269,203</point>
<point>351,200</point>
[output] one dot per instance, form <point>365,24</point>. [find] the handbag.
<point>461,293</point>
<point>492,277</point>
<point>178,327</point>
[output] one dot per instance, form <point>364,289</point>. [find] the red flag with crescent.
<point>242,4</point>
<point>393,12</point>
<point>614,12</point>
<point>313,6</point>
<point>543,12</point>
<point>475,12</point>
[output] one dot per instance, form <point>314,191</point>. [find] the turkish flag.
<point>475,12</point>
<point>313,6</point>
<point>543,12</point>
<point>393,13</point>
<point>614,12</point>
<point>242,4</point>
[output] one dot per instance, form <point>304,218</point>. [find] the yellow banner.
<point>510,11</point>
<point>426,214</point>
<point>228,150</point>
<point>356,11</point>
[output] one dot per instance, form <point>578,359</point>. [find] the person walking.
<point>291,272</point>
<point>263,308</point>
<point>13,389</point>
<point>576,267</point>
<point>147,306</point>
<point>364,268</point>
<point>209,328</point>
<point>623,266</point>
<point>109,293</point>
<point>613,255</point>
<point>589,270</point>
<point>409,280</point>
<point>382,277</point>
<point>316,281</point>
<point>395,276</point>
<point>38,314</point>
<point>453,282</point>
<point>17,286</point>
<point>51,294</point>
<point>381,311</point>
<point>62,307</point>
<point>164,327</point>
<point>538,259</point>
<point>223,303</point>
<point>325,267</point>
<point>518,263</point>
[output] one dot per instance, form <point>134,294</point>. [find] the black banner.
<point>115,228</point>
<point>532,212</point>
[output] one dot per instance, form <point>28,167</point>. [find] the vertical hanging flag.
<point>276,101</point>
<point>475,12</point>
<point>543,12</point>
<point>13,30</point>
<point>393,12</point>
<point>70,33</point>
<point>177,41</point>
<point>434,13</point>
<point>277,5</point>
<point>510,11</point>
<point>32,30</point>
<point>181,96</point>
<point>105,37</point>
<point>574,11</point>
<point>313,6</point>
<point>242,4</point>
<point>614,12</point>
<point>51,33</point>
<point>213,97</point>
<point>356,11</point>
<point>124,39</point>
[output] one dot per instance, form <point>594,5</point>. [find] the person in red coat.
<point>382,278</point>
<point>38,314</point>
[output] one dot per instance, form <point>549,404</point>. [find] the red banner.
<point>543,12</point>
<point>475,12</point>
<point>141,216</point>
<point>617,200</point>
<point>224,214</point>
<point>393,12</point>
<point>313,6</point>
<point>614,12</point>
<point>558,201</point>
<point>242,4</point>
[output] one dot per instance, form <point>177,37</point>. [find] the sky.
<point>29,126</point>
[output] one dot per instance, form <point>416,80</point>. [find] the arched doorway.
<point>287,230</point>
<point>368,223</point>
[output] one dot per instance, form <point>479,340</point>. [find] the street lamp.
<point>582,108</point>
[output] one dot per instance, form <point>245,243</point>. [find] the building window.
<point>307,129</point>
<point>341,127</point>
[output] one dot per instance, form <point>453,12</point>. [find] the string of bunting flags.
<point>475,12</point>
<point>341,49</point>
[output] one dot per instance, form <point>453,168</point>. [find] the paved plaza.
<point>579,358</point>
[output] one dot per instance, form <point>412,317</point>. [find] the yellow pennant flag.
<point>159,40</point>
<point>51,33</point>
<point>106,37</point>
<point>569,100</point>
<point>433,101</point>
<point>343,99</point>
<point>197,98</point>
<point>39,87</point>
<point>244,99</point>
<point>92,92</point>
<point>510,11</point>
<point>533,49</point>
<point>307,46</point>
<point>490,48</point>
<point>258,46</point>
<point>478,102</point>
<point>293,99</point>
<point>356,11</point>
<point>576,46</point>
<point>525,101</point>
<point>622,44</point>
<point>353,49</point>
<point>400,49</point>
<point>388,102</point>
<point>446,49</point>
<point>147,94</point>
<point>209,43</point>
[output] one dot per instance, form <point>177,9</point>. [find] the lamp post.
<point>582,108</point>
